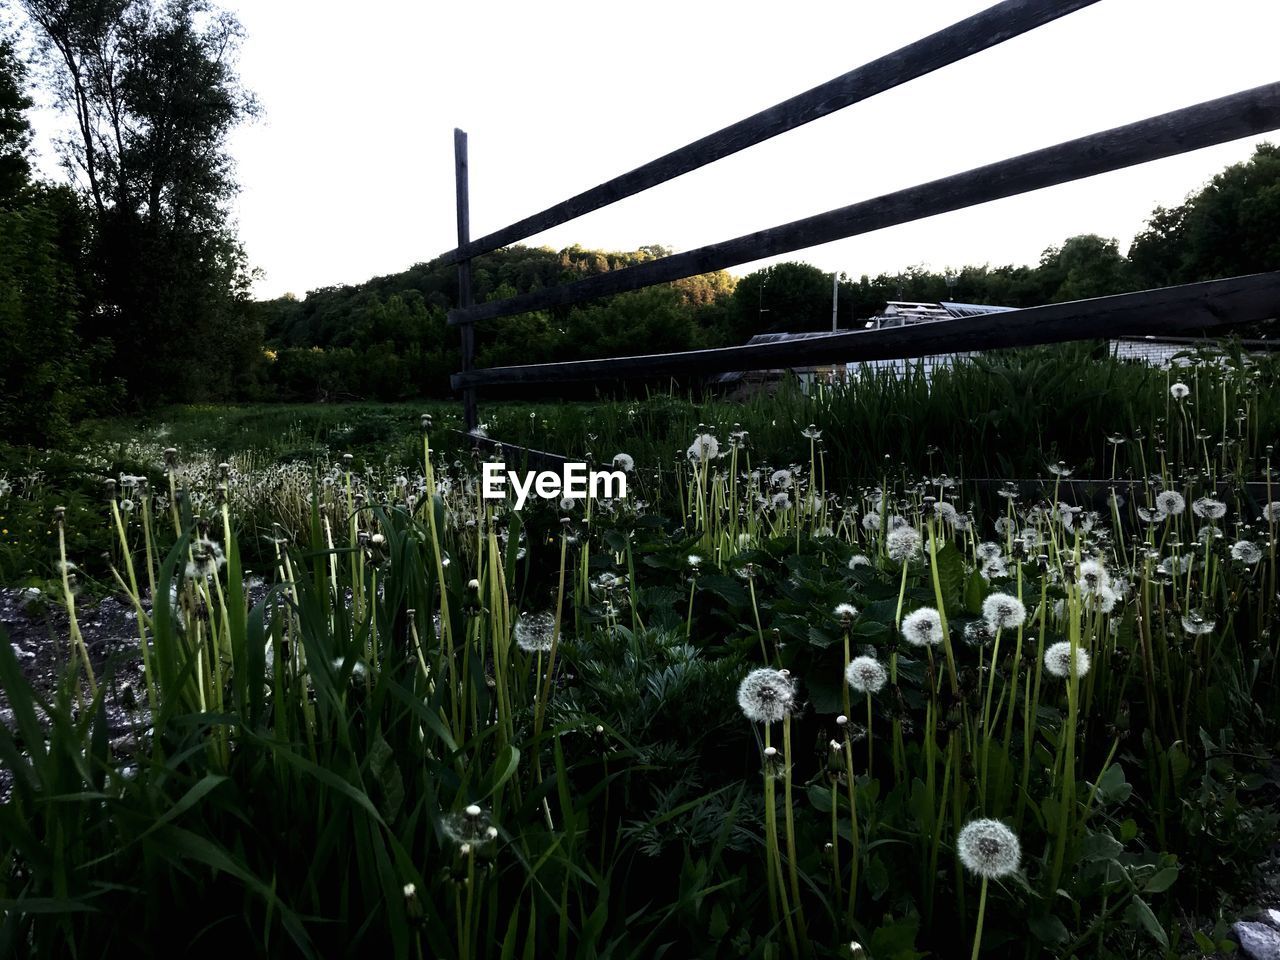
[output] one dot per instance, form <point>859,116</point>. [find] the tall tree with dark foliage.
<point>153,90</point>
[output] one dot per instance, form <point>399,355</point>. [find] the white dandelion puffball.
<point>902,544</point>
<point>1209,508</point>
<point>534,632</point>
<point>865,675</point>
<point>781,478</point>
<point>1004,612</point>
<point>923,627</point>
<point>845,611</point>
<point>1093,577</point>
<point>989,849</point>
<point>206,560</point>
<point>995,569</point>
<point>1246,552</point>
<point>1057,660</point>
<point>1180,391</point>
<point>766,695</point>
<point>1271,512</point>
<point>1152,516</point>
<point>993,551</point>
<point>859,560</point>
<point>1197,624</point>
<point>624,462</point>
<point>871,521</point>
<point>704,447</point>
<point>1171,502</point>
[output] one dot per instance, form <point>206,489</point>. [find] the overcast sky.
<point>349,172</point>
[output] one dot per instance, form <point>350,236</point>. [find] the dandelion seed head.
<point>766,695</point>
<point>865,675</point>
<point>1209,508</point>
<point>1180,391</point>
<point>624,462</point>
<point>1171,502</point>
<point>993,551</point>
<point>704,447</point>
<point>1004,612</point>
<point>534,632</point>
<point>1246,552</point>
<point>1093,577</point>
<point>902,544</point>
<point>468,829</point>
<point>1057,660</point>
<point>859,560</point>
<point>845,611</point>
<point>923,627</point>
<point>989,849</point>
<point>206,560</point>
<point>1197,624</point>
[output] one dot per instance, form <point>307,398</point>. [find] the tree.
<point>15,131</point>
<point>1084,266</point>
<point>1230,228</point>
<point>152,88</point>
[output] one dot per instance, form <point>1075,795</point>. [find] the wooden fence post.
<point>469,416</point>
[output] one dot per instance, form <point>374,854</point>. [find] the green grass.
<point>300,773</point>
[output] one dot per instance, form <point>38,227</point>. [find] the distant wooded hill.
<point>387,338</point>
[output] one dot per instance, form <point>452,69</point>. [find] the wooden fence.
<point>1188,308</point>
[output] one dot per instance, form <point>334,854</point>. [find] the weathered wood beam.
<point>1196,306</point>
<point>985,29</point>
<point>1216,121</point>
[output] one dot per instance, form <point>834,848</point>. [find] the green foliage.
<point>1227,229</point>
<point>153,87</point>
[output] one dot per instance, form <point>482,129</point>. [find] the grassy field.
<point>864,673</point>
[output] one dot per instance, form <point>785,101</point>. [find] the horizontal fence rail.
<point>1206,124</point>
<point>983,30</point>
<point>1196,306</point>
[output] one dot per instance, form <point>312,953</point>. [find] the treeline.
<point>125,286</point>
<point>387,339</point>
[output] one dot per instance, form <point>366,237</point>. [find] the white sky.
<point>349,173</point>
